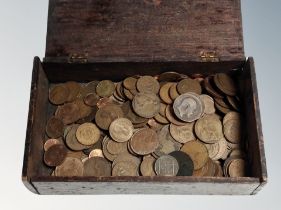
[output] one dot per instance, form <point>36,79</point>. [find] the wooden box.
<point>98,39</point>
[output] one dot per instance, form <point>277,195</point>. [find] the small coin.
<point>116,148</point>
<point>50,142</point>
<point>58,94</point>
<point>70,167</point>
<point>225,83</point>
<point>197,152</point>
<point>147,166</point>
<point>209,128</point>
<point>130,83</point>
<point>97,166</point>
<point>173,91</point>
<point>209,105</point>
<point>71,140</point>
<point>88,134</point>
<point>105,115</point>
<point>164,93</point>
<point>232,131</point>
<point>148,84</point>
<point>55,127</point>
<point>188,107</point>
<point>186,166</point>
<point>127,168</point>
<point>96,153</point>
<point>189,85</point>
<point>105,88</point>
<point>211,88</point>
<point>182,134</point>
<point>74,90</point>
<point>166,165</point>
<point>146,105</point>
<point>144,141</point>
<point>121,129</point>
<point>55,155</point>
<point>91,99</point>
<point>68,113</point>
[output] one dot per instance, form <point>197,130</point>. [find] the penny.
<point>161,119</point>
<point>105,88</point>
<point>182,134</point>
<point>210,88</point>
<point>144,141</point>
<point>164,93</point>
<point>76,154</point>
<point>91,99</point>
<point>188,107</point>
<point>232,131</point>
<point>172,117</point>
<point>173,91</point>
<point>107,154</point>
<point>70,167</point>
<point>186,166</point>
<point>189,85</point>
<point>169,77</point>
<point>126,157</point>
<point>58,94</point>
<point>148,84</point>
<point>166,165</point>
<point>131,115</point>
<point>50,142</point>
<point>209,106</point>
<point>236,168</point>
<point>116,148</point>
<point>84,110</point>
<point>55,155</point>
<point>90,117</point>
<point>147,166</point>
<point>209,128</point>
<point>124,169</point>
<point>130,83</point>
<point>103,102</point>
<point>197,152</point>
<point>235,104</point>
<point>71,140</point>
<point>231,116</point>
<point>97,166</point>
<point>105,115</point>
<point>54,128</point>
<point>88,88</point>
<point>146,105</point>
<point>96,153</point>
<point>225,83</point>
<point>68,113</point>
<point>74,90</point>
<point>87,134</point>
<point>121,129</point>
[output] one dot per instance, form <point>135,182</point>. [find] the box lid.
<point>144,30</point>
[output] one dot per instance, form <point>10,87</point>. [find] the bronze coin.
<point>226,84</point>
<point>103,102</point>
<point>125,169</point>
<point>164,93</point>
<point>235,104</point>
<point>87,134</point>
<point>130,83</point>
<point>116,148</point>
<point>147,166</point>
<point>58,94</point>
<point>147,84</point>
<point>182,134</point>
<point>74,90</point>
<point>208,101</point>
<point>128,94</point>
<point>88,88</point>
<point>105,88</point>
<point>70,167</point>
<point>121,129</point>
<point>161,119</point>
<point>97,166</point>
<point>189,85</point>
<point>55,127</point>
<point>169,77</point>
<point>154,125</point>
<point>232,131</point>
<point>106,153</point>
<point>173,91</point>
<point>222,109</point>
<point>131,115</point>
<point>91,99</point>
<point>96,153</point>
<point>210,87</point>
<point>68,113</point>
<point>90,117</point>
<point>107,114</point>
<point>51,142</point>
<point>172,117</point>
<point>55,155</point>
<point>222,102</point>
<point>84,110</point>
<point>71,139</point>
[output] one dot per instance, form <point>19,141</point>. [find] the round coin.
<point>209,105</point>
<point>164,93</point>
<point>166,165</point>
<point>189,85</point>
<point>71,140</point>
<point>55,155</point>
<point>121,129</point>
<point>147,166</point>
<point>70,167</point>
<point>236,168</point>
<point>130,83</point>
<point>182,134</point>
<point>127,168</point>
<point>148,84</point>
<point>74,90</point>
<point>105,88</point>
<point>91,99</point>
<point>58,94</point>
<point>50,142</point>
<point>225,83</point>
<point>88,134</point>
<point>68,113</point>
<point>96,153</point>
<point>97,166</point>
<point>186,166</point>
<point>55,127</point>
<point>232,131</point>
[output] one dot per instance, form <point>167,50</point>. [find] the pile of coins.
<point>167,125</point>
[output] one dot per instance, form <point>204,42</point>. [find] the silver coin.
<point>188,107</point>
<point>166,165</point>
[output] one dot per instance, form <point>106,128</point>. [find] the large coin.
<point>148,84</point>
<point>209,128</point>
<point>55,155</point>
<point>189,85</point>
<point>121,129</point>
<point>146,104</point>
<point>188,107</point>
<point>88,134</point>
<point>70,167</point>
<point>182,134</point>
<point>166,165</point>
<point>54,128</point>
<point>186,166</point>
<point>105,88</point>
<point>97,166</point>
<point>58,94</point>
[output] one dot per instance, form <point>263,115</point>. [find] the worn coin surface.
<point>148,84</point>
<point>164,93</point>
<point>188,107</point>
<point>127,168</point>
<point>166,165</point>
<point>147,166</point>
<point>237,167</point>
<point>96,153</point>
<point>97,166</point>
<point>88,133</point>
<point>71,140</point>
<point>189,85</point>
<point>231,116</point>
<point>55,127</point>
<point>70,167</point>
<point>184,133</point>
<point>74,90</point>
<point>68,113</point>
<point>225,83</point>
<point>91,99</point>
<point>105,88</point>
<point>186,166</point>
<point>121,129</point>
<point>116,148</point>
<point>58,94</point>
<point>130,83</point>
<point>50,142</point>
<point>209,105</point>
<point>146,104</point>
<point>55,155</point>
<point>232,131</point>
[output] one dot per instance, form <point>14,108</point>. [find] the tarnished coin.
<point>105,115</point>
<point>105,88</point>
<point>84,110</point>
<point>121,129</point>
<point>50,142</point>
<point>209,128</point>
<point>197,152</point>
<point>131,115</point>
<point>127,168</point>
<point>130,83</point>
<point>159,118</point>
<point>146,104</point>
<point>231,116</point>
<point>232,131</point>
<point>71,140</point>
<point>88,134</point>
<point>166,165</point>
<point>96,153</point>
<point>55,155</point>
<point>209,105</point>
<point>186,166</point>
<point>153,124</point>
<point>188,107</point>
<point>234,102</point>
<point>148,84</point>
<point>103,102</point>
<point>184,133</point>
<point>164,93</point>
<point>173,92</point>
<point>106,153</point>
<point>147,166</point>
<point>144,141</point>
<point>91,99</point>
<point>58,94</point>
<point>88,88</point>
<point>116,148</point>
<point>222,109</point>
<point>189,85</point>
<point>170,115</point>
<point>211,88</point>
<point>97,166</point>
<point>169,77</point>
<point>68,113</point>
<point>70,167</point>
<point>126,157</point>
<point>237,168</point>
<point>74,90</point>
<point>225,83</point>
<point>55,127</point>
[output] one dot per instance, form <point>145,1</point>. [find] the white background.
<point>22,35</point>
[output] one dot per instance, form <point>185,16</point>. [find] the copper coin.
<point>68,113</point>
<point>128,94</point>
<point>55,127</point>
<point>131,115</point>
<point>91,99</point>
<point>130,83</point>
<point>231,116</point>
<point>76,154</point>
<point>222,102</point>
<point>232,131</point>
<point>169,77</point>
<point>125,169</point>
<point>97,166</point>
<point>50,142</point>
<point>103,102</point>
<point>189,85</point>
<point>197,152</point>
<point>173,91</point>
<point>159,118</point>
<point>166,165</point>
<point>237,167</point>
<point>222,109</point>
<point>84,110</point>
<point>154,124</point>
<point>184,133</point>
<point>147,166</point>
<point>70,167</point>
<point>186,166</point>
<point>74,90</point>
<point>55,155</point>
<point>144,141</point>
<point>96,153</point>
<point>58,94</point>
<point>107,114</point>
<point>126,157</point>
<point>121,129</point>
<point>105,88</point>
<point>120,90</point>
<point>88,88</point>
<point>90,117</point>
<point>172,117</point>
<point>116,148</point>
<point>148,84</point>
<point>71,140</point>
<point>87,134</point>
<point>164,93</point>
<point>210,87</point>
<point>209,105</point>
<point>106,153</point>
<point>235,104</point>
<point>226,84</point>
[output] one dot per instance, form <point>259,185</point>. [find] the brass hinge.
<point>78,58</point>
<point>210,56</point>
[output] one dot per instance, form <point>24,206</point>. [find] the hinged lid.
<point>144,30</point>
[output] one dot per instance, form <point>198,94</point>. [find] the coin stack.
<point>167,125</point>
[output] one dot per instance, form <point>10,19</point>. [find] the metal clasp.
<point>210,56</point>
<point>78,58</point>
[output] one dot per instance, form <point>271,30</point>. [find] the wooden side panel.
<point>144,30</point>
